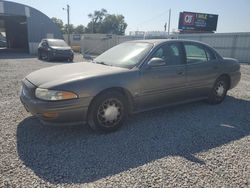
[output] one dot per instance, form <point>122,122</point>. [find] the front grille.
<point>63,52</point>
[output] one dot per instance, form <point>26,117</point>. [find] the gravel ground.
<point>191,145</point>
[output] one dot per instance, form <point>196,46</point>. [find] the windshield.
<point>58,43</point>
<point>125,55</point>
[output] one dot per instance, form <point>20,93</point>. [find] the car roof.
<point>160,41</point>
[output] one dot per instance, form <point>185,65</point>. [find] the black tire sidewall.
<point>39,55</point>
<point>48,56</point>
<point>70,59</point>
<point>215,99</point>
<point>92,115</point>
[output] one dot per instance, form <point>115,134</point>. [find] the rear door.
<point>202,69</point>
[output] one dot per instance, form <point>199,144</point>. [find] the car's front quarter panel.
<point>88,88</point>
<point>66,111</point>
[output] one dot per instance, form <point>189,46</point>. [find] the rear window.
<point>198,54</point>
<point>195,54</point>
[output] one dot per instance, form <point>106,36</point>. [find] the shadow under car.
<point>77,155</point>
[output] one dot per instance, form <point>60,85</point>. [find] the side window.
<point>44,44</point>
<point>210,54</point>
<point>170,53</point>
<point>195,54</point>
<point>159,53</point>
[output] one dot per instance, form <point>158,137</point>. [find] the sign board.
<point>77,37</point>
<point>192,21</point>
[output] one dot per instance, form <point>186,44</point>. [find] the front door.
<point>164,84</point>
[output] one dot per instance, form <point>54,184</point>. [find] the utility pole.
<point>169,19</point>
<point>92,26</point>
<point>68,31</point>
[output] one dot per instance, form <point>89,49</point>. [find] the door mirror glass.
<point>156,61</point>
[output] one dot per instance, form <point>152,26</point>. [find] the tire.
<point>219,91</point>
<point>44,56</point>
<point>48,56</point>
<point>39,55</point>
<point>107,112</point>
<point>70,59</point>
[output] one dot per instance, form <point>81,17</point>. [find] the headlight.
<point>52,95</point>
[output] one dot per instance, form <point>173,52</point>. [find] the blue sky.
<point>150,15</point>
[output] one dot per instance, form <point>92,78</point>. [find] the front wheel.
<point>48,57</point>
<point>219,91</point>
<point>44,56</point>
<point>70,59</point>
<point>39,55</point>
<point>107,112</point>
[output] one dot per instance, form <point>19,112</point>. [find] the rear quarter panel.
<point>231,67</point>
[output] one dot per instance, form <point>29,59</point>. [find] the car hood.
<point>60,74</point>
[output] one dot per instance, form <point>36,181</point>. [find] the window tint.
<point>170,53</point>
<point>210,54</point>
<point>195,54</point>
<point>44,44</point>
<point>126,55</point>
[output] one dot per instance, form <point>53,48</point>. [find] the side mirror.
<point>156,61</point>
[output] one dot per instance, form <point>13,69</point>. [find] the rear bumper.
<point>64,112</point>
<point>235,79</point>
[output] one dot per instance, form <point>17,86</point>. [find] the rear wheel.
<point>107,112</point>
<point>219,91</point>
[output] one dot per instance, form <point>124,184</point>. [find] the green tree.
<point>71,28</point>
<point>96,19</point>
<point>114,24</point>
<point>102,22</point>
<point>80,29</point>
<point>59,23</point>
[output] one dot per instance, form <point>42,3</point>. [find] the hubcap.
<point>109,112</point>
<point>220,89</point>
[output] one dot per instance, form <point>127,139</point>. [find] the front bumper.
<point>66,112</point>
<point>61,55</point>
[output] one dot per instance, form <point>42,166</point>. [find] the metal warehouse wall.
<point>38,24</point>
<point>234,45</point>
